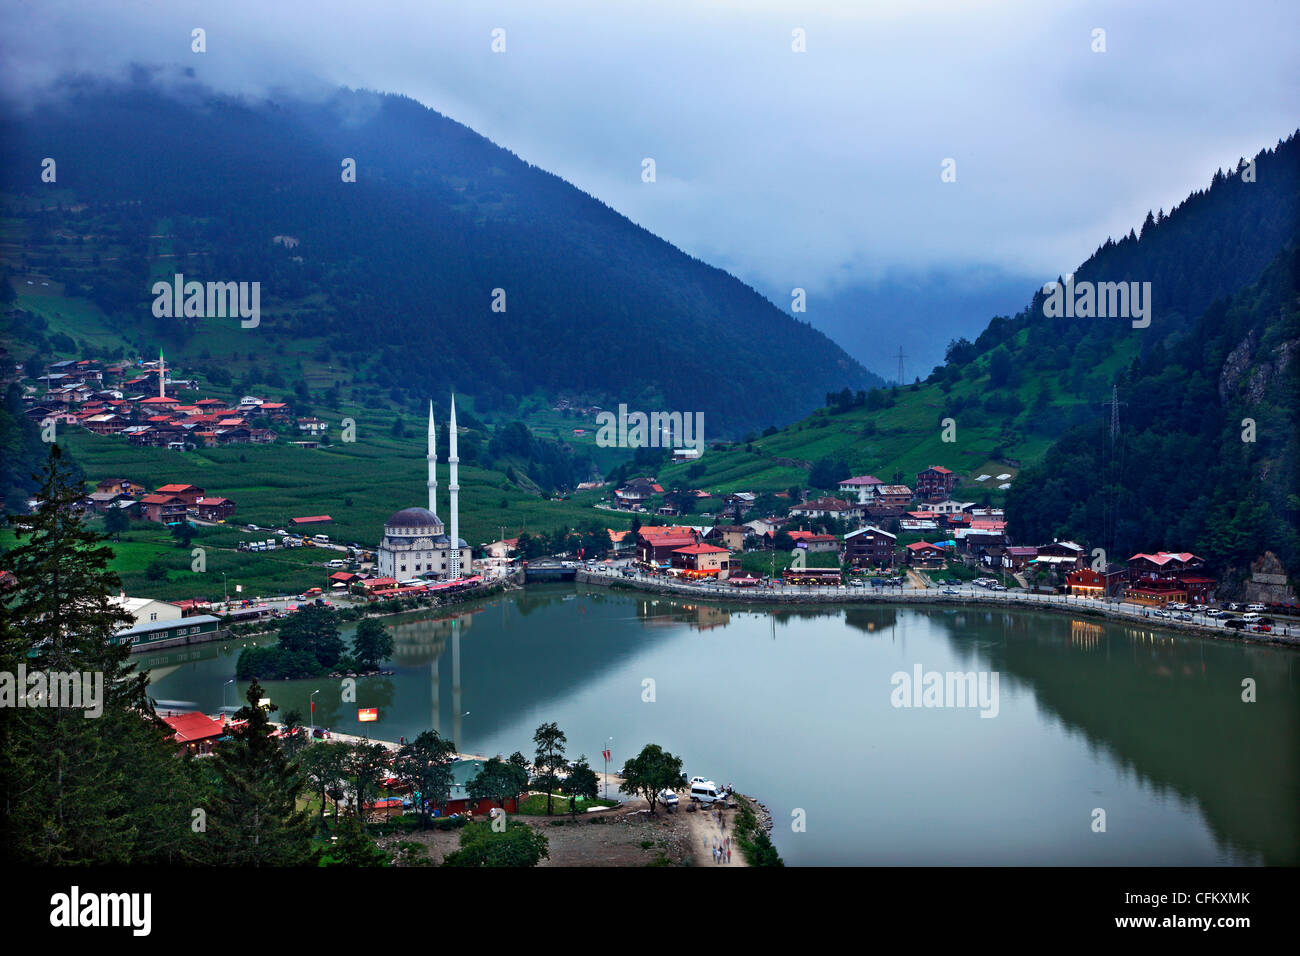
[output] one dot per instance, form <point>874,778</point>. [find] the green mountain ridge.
<point>387,283</point>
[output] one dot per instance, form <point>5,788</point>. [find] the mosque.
<point>415,544</point>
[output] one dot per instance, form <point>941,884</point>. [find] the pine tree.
<point>89,785</point>
<point>254,818</point>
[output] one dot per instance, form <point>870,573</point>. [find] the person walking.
<point>728,851</point>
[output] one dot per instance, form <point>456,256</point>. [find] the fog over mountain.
<point>818,170</point>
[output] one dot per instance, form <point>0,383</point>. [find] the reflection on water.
<point>793,706</point>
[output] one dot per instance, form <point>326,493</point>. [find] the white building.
<point>415,542</point>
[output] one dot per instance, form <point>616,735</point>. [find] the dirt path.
<point>706,832</point>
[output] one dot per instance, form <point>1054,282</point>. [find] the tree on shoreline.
<point>650,772</point>
<point>425,765</point>
<point>549,740</point>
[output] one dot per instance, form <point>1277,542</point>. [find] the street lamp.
<point>225,592</point>
<point>311,705</point>
<point>223,692</point>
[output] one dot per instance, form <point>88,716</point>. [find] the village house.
<point>186,493</point>
<point>860,486</point>
<point>636,493</point>
<point>1165,576</point>
<point>1062,556</point>
<point>949,507</point>
<point>922,554</point>
<point>738,503</point>
<point>825,508</point>
<point>814,542</point>
<point>870,547</point>
<point>1018,558</point>
<point>1085,582</point>
<point>702,561</point>
<point>656,544</point>
<point>730,536</point>
<point>313,426</point>
<point>935,483</point>
<point>195,733</point>
<point>211,508</point>
<point>163,509</point>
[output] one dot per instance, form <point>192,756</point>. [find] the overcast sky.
<point>818,169</point>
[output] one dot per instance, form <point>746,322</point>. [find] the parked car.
<point>668,799</point>
<point>1235,623</point>
<point>1262,628</point>
<point>1255,607</point>
<point>951,591</point>
<point>1161,612</point>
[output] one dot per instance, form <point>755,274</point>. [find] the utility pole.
<point>901,356</point>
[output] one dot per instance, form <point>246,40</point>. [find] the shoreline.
<point>810,597</point>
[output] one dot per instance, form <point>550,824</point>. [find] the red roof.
<point>212,500</point>
<point>810,536</point>
<point>177,489</point>
<point>651,532</point>
<point>701,549</point>
<point>160,400</point>
<point>194,726</point>
<point>1164,557</point>
<point>940,469</point>
<point>311,519</point>
<point>343,576</point>
<point>921,545</point>
<point>159,499</point>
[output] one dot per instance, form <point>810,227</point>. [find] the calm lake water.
<point>797,708</point>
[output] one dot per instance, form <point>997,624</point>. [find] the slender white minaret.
<point>162,374</point>
<point>453,489</point>
<point>433,463</point>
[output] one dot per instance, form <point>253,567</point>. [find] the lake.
<point>1140,730</point>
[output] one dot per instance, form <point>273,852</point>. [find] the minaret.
<point>433,463</point>
<point>162,374</point>
<point>453,489</point>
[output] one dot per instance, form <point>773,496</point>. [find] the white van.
<point>1250,618</point>
<point>1255,607</point>
<point>706,791</point>
<point>336,563</point>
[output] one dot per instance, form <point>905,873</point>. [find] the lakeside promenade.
<point>1286,634</point>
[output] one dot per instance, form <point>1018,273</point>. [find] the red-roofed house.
<point>655,545</point>
<point>195,732</point>
<point>164,509</point>
<point>186,493</point>
<point>212,508</point>
<point>815,542</point>
<point>702,561</point>
<point>311,519</point>
<point>1168,575</point>
<point>922,554</point>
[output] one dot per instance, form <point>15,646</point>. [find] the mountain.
<point>1014,395</point>
<point>390,279</point>
<point>1206,457</point>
